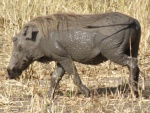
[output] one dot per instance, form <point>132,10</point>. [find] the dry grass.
<point>28,95</point>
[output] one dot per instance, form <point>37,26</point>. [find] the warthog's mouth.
<point>12,74</point>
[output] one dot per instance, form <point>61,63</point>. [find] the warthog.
<point>88,39</point>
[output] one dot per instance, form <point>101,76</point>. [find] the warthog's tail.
<point>135,44</point>
<point>134,40</point>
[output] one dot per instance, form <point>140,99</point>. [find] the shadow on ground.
<point>121,89</point>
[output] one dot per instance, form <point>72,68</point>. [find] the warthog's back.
<point>94,20</point>
<point>64,22</point>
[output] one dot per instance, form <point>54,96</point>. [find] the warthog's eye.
<point>24,33</point>
<point>20,48</point>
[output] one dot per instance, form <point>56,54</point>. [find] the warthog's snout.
<point>12,72</point>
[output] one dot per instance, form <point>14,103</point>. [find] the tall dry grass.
<point>29,94</point>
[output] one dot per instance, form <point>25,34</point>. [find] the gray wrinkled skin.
<point>88,39</point>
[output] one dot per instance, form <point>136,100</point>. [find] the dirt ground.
<point>30,95</point>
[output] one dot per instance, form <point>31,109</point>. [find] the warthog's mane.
<point>60,22</point>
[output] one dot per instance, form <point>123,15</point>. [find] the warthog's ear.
<point>30,33</point>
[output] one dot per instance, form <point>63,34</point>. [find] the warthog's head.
<point>25,51</point>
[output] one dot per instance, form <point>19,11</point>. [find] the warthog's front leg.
<point>70,68</point>
<point>56,77</point>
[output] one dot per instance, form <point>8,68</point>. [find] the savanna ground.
<point>29,93</point>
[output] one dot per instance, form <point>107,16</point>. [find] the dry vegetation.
<point>28,94</point>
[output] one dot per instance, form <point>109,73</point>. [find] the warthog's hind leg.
<point>56,77</point>
<point>134,75</point>
<point>131,63</point>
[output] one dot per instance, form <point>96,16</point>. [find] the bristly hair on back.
<point>60,22</point>
<point>56,22</point>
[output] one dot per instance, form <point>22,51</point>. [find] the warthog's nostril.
<point>11,68</point>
